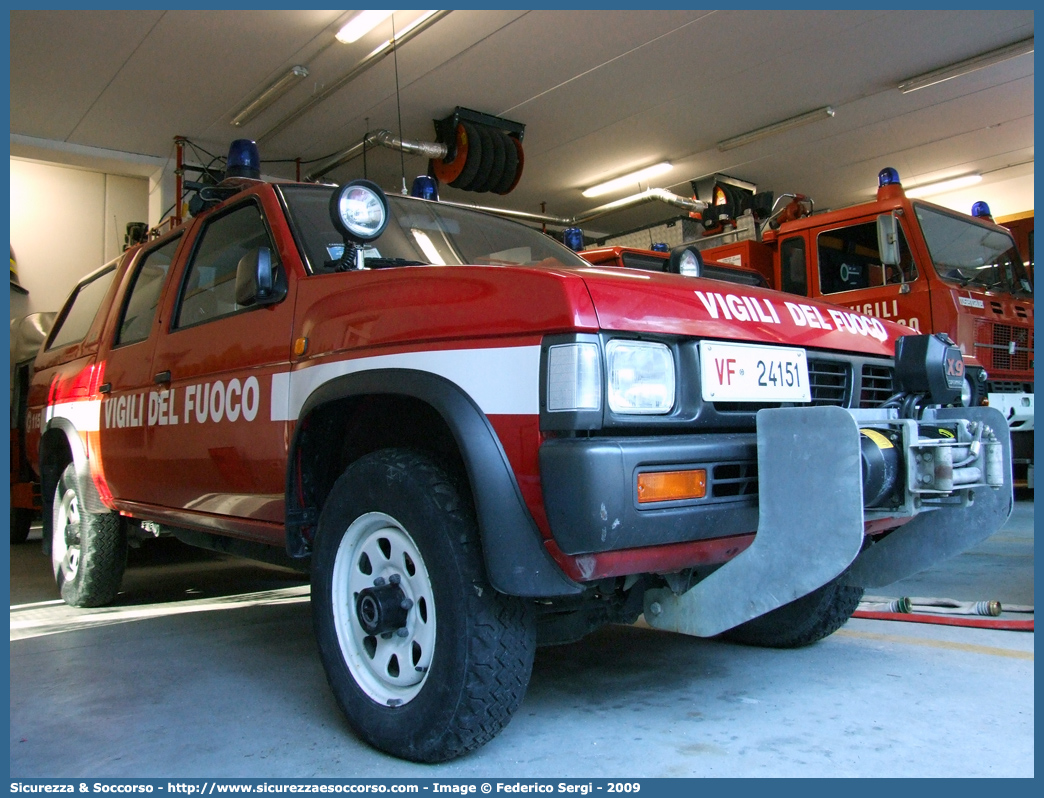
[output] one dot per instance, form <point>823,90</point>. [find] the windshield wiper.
<point>387,263</point>
<point>964,280</point>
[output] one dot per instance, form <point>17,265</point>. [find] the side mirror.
<point>888,239</point>
<point>686,260</point>
<point>256,280</point>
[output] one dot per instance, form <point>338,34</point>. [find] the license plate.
<point>750,373</point>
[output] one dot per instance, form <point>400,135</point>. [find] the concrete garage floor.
<point>207,668</point>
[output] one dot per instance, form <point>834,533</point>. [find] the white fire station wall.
<point>65,223</point>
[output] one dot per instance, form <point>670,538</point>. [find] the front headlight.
<point>641,377</point>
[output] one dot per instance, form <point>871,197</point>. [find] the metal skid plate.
<point>810,525</point>
<point>939,533</point>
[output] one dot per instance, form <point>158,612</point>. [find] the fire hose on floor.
<point>945,612</point>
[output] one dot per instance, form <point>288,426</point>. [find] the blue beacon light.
<point>981,210</point>
<point>425,187</point>
<point>243,160</point>
<point>573,237</point>
<point>888,177</point>
<point>660,247</point>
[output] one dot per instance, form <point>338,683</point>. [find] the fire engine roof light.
<point>981,210</point>
<point>888,177</point>
<point>243,160</point>
<point>573,237</point>
<point>425,187</point>
<point>359,210</point>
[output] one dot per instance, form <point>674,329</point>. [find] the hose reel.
<point>484,153</point>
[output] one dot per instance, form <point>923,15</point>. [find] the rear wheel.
<point>427,661</point>
<point>803,621</point>
<point>88,550</point>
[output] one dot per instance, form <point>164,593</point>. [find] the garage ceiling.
<point>601,93</point>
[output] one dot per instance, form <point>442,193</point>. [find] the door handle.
<point>163,378</point>
<point>105,388</point>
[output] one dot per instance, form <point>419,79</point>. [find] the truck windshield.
<point>420,233</point>
<point>970,254</point>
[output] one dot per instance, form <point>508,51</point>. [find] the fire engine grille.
<point>877,385</point>
<point>1003,347</point>
<point>1009,386</point>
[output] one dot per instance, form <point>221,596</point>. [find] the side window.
<point>794,266</point>
<point>144,294</point>
<point>80,310</point>
<point>209,290</point>
<point>849,260</point>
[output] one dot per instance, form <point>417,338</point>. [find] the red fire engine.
<point>905,260</point>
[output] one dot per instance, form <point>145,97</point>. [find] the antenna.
<point>398,104</point>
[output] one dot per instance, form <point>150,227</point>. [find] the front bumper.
<point>590,490</point>
<point>809,511</point>
<point>1017,408</point>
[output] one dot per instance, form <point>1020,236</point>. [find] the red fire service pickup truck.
<point>476,442</point>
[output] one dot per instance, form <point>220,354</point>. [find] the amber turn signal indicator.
<point>670,486</point>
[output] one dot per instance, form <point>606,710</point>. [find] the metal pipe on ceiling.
<point>649,195</point>
<point>433,149</point>
<point>381,138</point>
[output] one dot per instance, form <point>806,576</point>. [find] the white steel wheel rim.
<point>65,558</point>
<point>391,668</point>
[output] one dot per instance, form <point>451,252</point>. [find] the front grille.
<point>1008,386</point>
<point>734,479</point>
<point>1003,336</point>
<point>993,346</point>
<point>877,385</point>
<point>829,381</point>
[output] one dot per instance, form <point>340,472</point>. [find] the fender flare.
<point>517,563</point>
<point>49,476</point>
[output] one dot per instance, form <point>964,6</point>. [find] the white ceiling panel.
<point>600,92</point>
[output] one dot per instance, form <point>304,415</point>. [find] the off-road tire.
<point>803,621</point>
<point>89,561</point>
<point>481,643</point>
<point>21,524</point>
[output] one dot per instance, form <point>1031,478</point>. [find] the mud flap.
<point>937,534</point>
<point>810,526</point>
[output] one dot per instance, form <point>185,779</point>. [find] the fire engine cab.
<point>900,259</point>
<point>476,442</point>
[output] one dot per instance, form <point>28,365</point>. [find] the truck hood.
<point>674,305</point>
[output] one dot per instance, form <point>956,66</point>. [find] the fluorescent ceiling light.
<point>361,24</point>
<point>269,95</point>
<point>968,65</point>
<point>942,186</point>
<point>826,112</point>
<point>414,29</point>
<point>628,180</point>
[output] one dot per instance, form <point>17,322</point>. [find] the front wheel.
<point>88,550</point>
<point>426,660</point>
<point>803,621</point>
